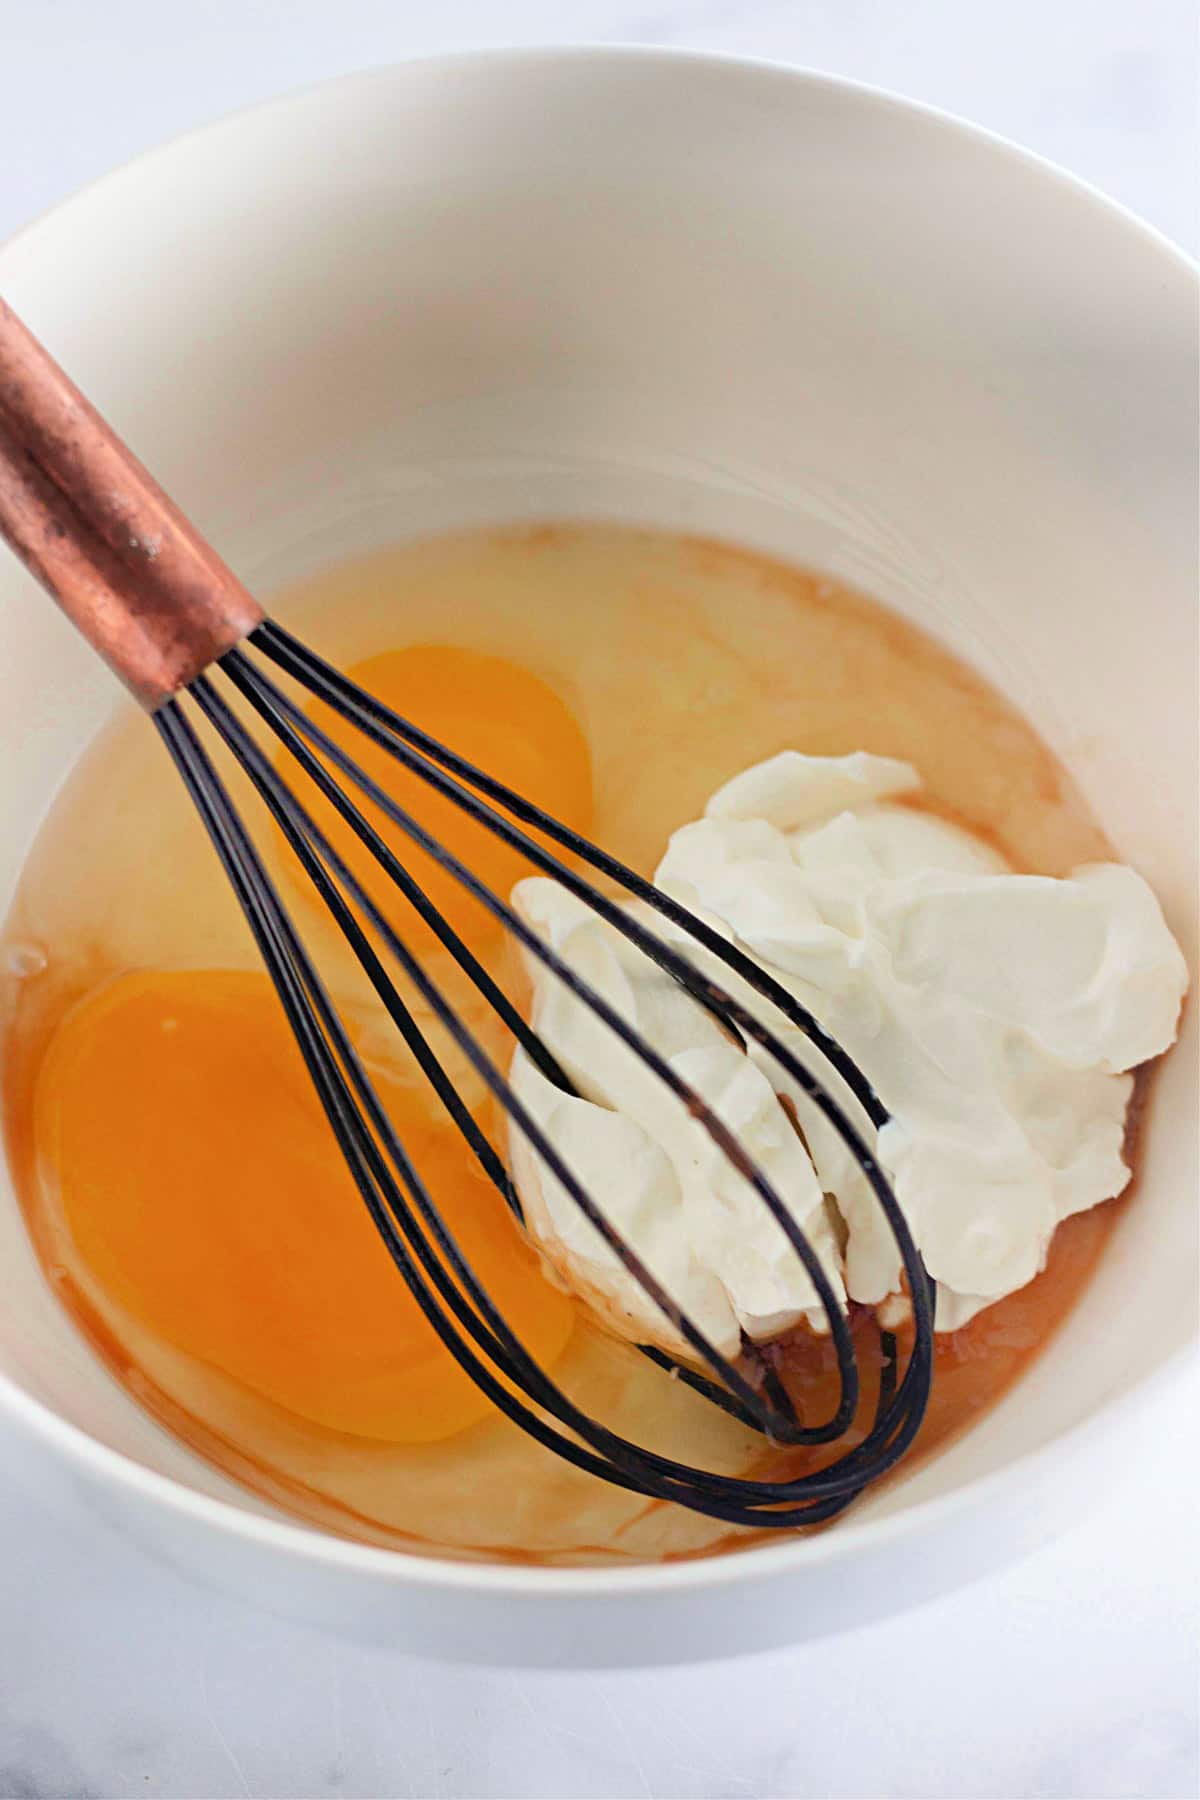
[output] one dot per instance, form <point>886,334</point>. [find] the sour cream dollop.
<point>998,1017</point>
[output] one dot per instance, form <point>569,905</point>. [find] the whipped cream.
<point>996,1015</point>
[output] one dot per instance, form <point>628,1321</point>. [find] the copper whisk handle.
<point>98,532</point>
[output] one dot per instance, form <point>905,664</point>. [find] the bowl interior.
<point>720,298</point>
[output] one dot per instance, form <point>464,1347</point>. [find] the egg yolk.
<point>203,1188</point>
<point>495,714</point>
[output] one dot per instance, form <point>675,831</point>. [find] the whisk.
<point>185,636</point>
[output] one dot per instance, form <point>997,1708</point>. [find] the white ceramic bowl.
<point>701,294</point>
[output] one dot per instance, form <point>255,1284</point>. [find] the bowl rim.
<point>791,1553</point>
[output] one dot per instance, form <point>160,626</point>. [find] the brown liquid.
<point>685,661</point>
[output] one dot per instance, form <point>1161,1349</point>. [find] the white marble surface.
<point>1074,1674</point>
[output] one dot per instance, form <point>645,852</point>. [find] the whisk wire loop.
<point>325,1046</point>
<point>400,1206</point>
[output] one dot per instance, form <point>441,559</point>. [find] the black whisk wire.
<point>438,1275</point>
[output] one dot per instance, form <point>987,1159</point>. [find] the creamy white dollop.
<point>997,1016</point>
